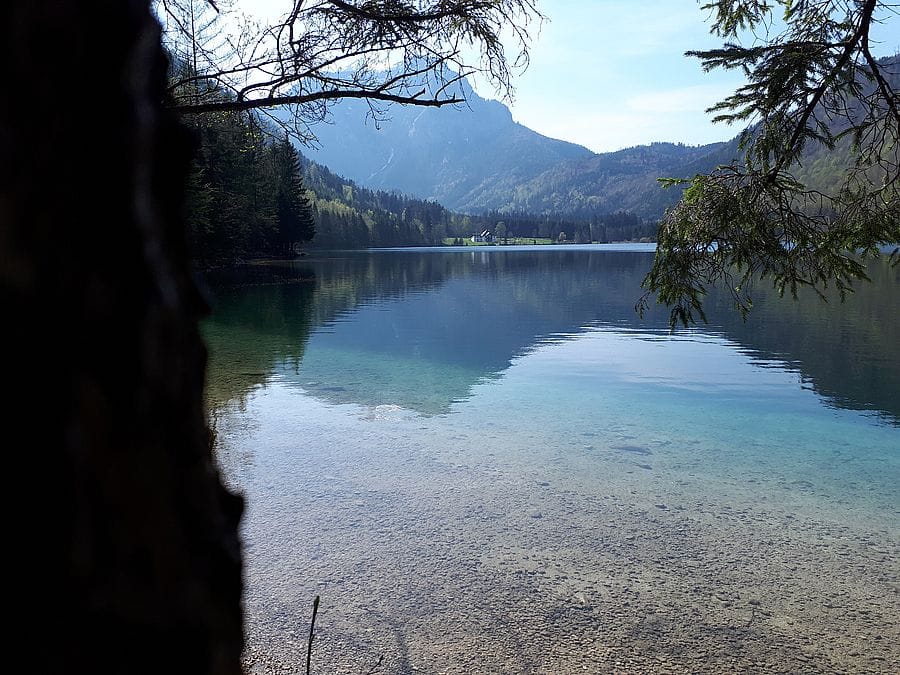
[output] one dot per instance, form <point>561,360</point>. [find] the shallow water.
<point>486,462</point>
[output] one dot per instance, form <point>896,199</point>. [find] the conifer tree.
<point>294,213</point>
<point>815,83</point>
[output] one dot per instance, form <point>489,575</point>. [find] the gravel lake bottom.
<point>441,548</point>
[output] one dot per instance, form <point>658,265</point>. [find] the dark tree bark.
<point>125,542</point>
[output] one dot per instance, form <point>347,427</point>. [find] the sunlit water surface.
<point>487,462</point>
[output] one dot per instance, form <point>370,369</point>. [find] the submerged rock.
<point>634,449</point>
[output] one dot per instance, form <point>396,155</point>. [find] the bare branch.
<point>252,104</point>
<point>390,51</point>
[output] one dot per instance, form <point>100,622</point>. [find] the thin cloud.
<point>693,98</point>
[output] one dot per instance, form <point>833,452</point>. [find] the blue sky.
<point>610,74</point>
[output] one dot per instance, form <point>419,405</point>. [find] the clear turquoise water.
<point>488,453</point>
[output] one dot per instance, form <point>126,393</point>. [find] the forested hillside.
<point>350,216</point>
<point>625,180</point>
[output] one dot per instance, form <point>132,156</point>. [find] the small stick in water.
<point>312,626</point>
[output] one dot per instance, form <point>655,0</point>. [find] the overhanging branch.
<point>404,17</point>
<point>274,101</point>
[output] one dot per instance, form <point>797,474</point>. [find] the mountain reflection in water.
<point>420,328</point>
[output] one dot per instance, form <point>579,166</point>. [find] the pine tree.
<point>295,221</point>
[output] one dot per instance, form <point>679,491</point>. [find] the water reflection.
<point>846,352</point>
<point>420,329</point>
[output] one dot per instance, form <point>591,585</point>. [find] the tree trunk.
<point>124,542</point>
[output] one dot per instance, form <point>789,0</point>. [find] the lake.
<point>483,461</point>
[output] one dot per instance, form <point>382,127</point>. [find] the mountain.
<point>453,155</point>
<point>475,159</point>
<point>625,180</point>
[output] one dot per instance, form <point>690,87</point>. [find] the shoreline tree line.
<point>251,193</point>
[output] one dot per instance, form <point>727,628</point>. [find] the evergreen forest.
<point>252,194</point>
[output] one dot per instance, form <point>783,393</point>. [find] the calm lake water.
<point>485,461</point>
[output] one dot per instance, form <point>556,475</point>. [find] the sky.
<point>611,74</point>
